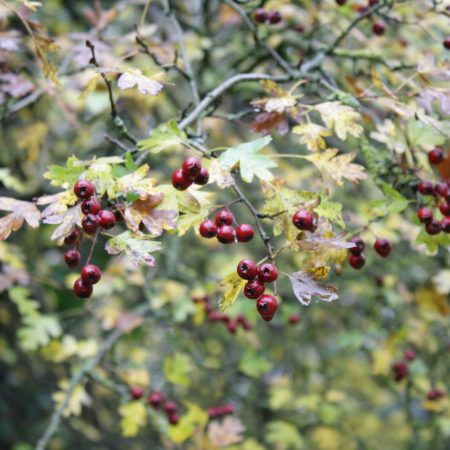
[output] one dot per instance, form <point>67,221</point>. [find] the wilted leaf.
<point>305,287</point>
<point>220,175</point>
<point>177,369</point>
<point>312,135</point>
<point>225,433</point>
<point>67,219</point>
<point>21,211</point>
<point>264,122</point>
<point>327,240</point>
<point>233,285</point>
<point>145,84</point>
<point>165,137</point>
<point>134,417</point>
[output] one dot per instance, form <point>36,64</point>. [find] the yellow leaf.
<point>77,400</point>
<point>136,377</point>
<point>134,417</point>
<point>138,183</point>
<point>312,135</point>
<point>429,299</point>
<point>195,418</point>
<point>233,285</point>
<point>319,273</point>
<point>437,405</point>
<point>382,360</point>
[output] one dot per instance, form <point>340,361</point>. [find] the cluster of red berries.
<point>441,193</point>
<point>305,220</point>
<point>400,369</point>
<point>356,257</point>
<point>223,229</point>
<point>157,400</point>
<point>191,172</point>
<point>219,411</point>
<point>220,317</point>
<point>270,17</point>
<point>256,277</point>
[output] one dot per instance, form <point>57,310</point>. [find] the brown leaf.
<point>264,122</point>
<point>20,211</point>
<point>226,433</point>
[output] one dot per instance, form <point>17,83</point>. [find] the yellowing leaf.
<point>21,211</point>
<point>337,167</point>
<point>67,176</point>
<point>30,139</point>
<point>233,285</point>
<point>134,417</point>
<point>78,398</point>
<point>226,433</point>
<point>138,183</point>
<point>305,287</point>
<point>319,273</point>
<point>382,360</point>
<point>429,299</point>
<point>177,369</point>
<point>312,135</point>
<point>100,173</point>
<point>220,175</point>
<point>341,117</point>
<point>195,418</point>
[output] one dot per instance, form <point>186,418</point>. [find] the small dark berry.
<point>267,306</point>
<point>174,418</point>
<point>107,219</point>
<point>90,274</point>
<point>203,177</point>
<point>435,394</point>
<point>244,232</point>
<point>208,229</point>
<point>373,2</point>
<point>82,290</point>
<point>294,319</point>
<point>170,407</point>
<point>260,15</point>
<point>446,43</point>
<point>226,234</point>
<point>274,17</point>
<point>426,188</point>
<point>179,181</point>
<point>90,206</point>
<point>73,237</point>
<point>445,224</point>
<point>254,289</point>
<point>232,326</point>
<point>410,355</point>
<point>224,217</point>
<point>227,409</point>
<point>425,215</point>
<point>434,227</point>
<point>137,392</point>
<point>360,246</point>
<point>72,258</point>
<point>357,261</point>
<point>400,370</point>
<point>435,156</point>
<point>379,28</point>
<point>383,247</point>
<point>155,399</point>
<point>441,189</point>
<point>247,269</point>
<point>444,207</point>
<point>304,220</point>
<point>191,168</point>
<point>299,28</point>
<point>267,272</point>
<point>90,223</point>
<point>84,189</point>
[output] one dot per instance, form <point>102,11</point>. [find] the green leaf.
<point>423,135</point>
<point>38,331</point>
<point>59,175</point>
<point>283,435</point>
<point>250,162</point>
<point>331,211</point>
<point>433,242</point>
<point>164,137</point>
<point>253,364</point>
<point>233,285</point>
<point>27,307</point>
<point>393,203</point>
<point>177,369</point>
<point>194,418</point>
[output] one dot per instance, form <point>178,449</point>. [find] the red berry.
<point>214,412</point>
<point>107,219</point>
<point>247,269</point>
<point>228,409</point>
<point>90,274</point>
<point>208,229</point>
<point>84,189</point>
<point>216,316</point>
<point>232,326</point>
<point>445,224</point>
<point>72,258</point>
<point>203,177</point>
<point>379,28</point>
<point>274,17</point>
<point>441,189</point>
<point>174,418</point>
<point>434,227</point>
<point>435,156</point>
<point>179,181</point>
<point>294,319</point>
<point>357,261</point>
<point>267,306</point>
<point>360,246</point>
<point>435,394</point>
<point>191,168</point>
<point>224,217</point>
<point>244,232</point>
<point>304,220</point>
<point>155,399</point>
<point>170,407</point>
<point>90,223</point>
<point>383,247</point>
<point>373,2</point>
<point>410,355</point>
<point>444,207</point>
<point>243,322</point>
<point>137,392</point>
<point>73,237</point>
<point>425,215</point>
<point>426,188</point>
<point>299,28</point>
<point>260,15</point>
<point>226,234</point>
<point>400,370</point>
<point>254,289</point>
<point>81,289</point>
<point>267,272</point>
<point>90,206</point>
<point>207,308</point>
<point>446,43</point>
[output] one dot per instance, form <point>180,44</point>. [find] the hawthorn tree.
<point>226,224</point>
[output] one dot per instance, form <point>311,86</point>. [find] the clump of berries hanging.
<point>190,172</point>
<point>268,17</point>
<point>356,256</point>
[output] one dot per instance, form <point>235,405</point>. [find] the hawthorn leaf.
<point>225,433</point>
<point>264,122</point>
<point>332,211</point>
<point>220,175</point>
<point>337,167</point>
<point>312,135</point>
<point>233,285</point>
<point>20,211</point>
<point>423,135</point>
<point>177,368</point>
<point>284,435</point>
<point>305,287</point>
<point>37,332</point>
<point>389,134</point>
<point>344,119</point>
<point>144,84</point>
<point>394,202</point>
<point>78,398</point>
<point>165,137</point>
<point>195,418</point>
<point>249,160</point>
<point>133,417</point>
<point>64,176</point>
<point>138,183</point>
<point>66,219</point>
<point>135,246</point>
<point>100,172</point>
<point>433,242</point>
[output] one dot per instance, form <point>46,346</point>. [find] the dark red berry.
<point>441,189</point>
<point>444,207</point>
<point>84,189</point>
<point>274,17</point>
<point>435,394</point>
<point>410,355</point>
<point>90,223</point>
<point>107,219</point>
<point>243,322</point>
<point>379,28</point>
<point>226,234</point>
<point>304,220</point>
<point>267,272</point>
<point>435,156</point>
<point>81,289</point>
<point>203,177</point>
<point>170,407</point>
<point>360,246</point>
<point>247,269</point>
<point>426,188</point>
<point>425,215</point>
<point>224,217</point>
<point>445,224</point>
<point>232,326</point>
<point>357,261</point>
<point>179,181</point>
<point>299,28</point>
<point>254,289</point>
<point>137,392</point>
<point>373,2</point>
<point>341,2</point>
<point>118,212</point>
<point>73,237</point>
<point>208,229</point>
<point>400,370</point>
<point>227,409</point>
<point>191,168</point>
<point>90,274</point>
<point>446,43</point>
<point>72,258</point>
<point>294,319</point>
<point>383,247</point>
<point>244,232</point>
<point>215,411</point>
<point>267,306</point>
<point>155,399</point>
<point>90,206</point>
<point>260,15</point>
<point>434,227</point>
<point>174,418</point>
<point>216,316</point>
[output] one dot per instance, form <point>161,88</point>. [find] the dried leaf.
<point>145,84</point>
<point>312,136</point>
<point>225,433</point>
<point>264,123</point>
<point>138,183</point>
<point>20,211</point>
<point>305,287</point>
